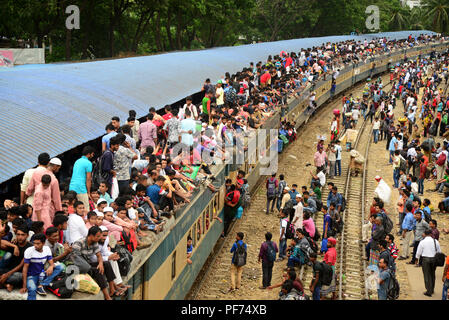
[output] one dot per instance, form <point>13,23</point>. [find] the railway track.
<point>213,282</point>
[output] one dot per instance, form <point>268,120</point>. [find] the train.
<point>162,272</point>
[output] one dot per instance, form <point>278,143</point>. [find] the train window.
<point>204,221</point>
<point>211,211</point>
<point>216,205</point>
<point>193,233</point>
<point>173,265</point>
<point>198,229</point>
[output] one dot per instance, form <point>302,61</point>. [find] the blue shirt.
<point>293,194</point>
<point>382,288</point>
<point>234,248</point>
<point>78,182</point>
<point>187,125</point>
<point>107,138</point>
<point>409,222</point>
<point>334,198</point>
<point>327,218</point>
<point>153,192</point>
<point>392,142</point>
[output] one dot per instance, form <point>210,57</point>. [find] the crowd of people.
<point>416,158</point>
<point>145,171</point>
<point>297,208</point>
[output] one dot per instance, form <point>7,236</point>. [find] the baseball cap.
<point>56,162</point>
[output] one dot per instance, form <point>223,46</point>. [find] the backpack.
<point>288,204</point>
<point>290,230</point>
<point>319,205</point>
<point>312,244</point>
<point>426,215</point>
<point>58,287</point>
<point>387,223</point>
<point>98,176</point>
<point>337,226</point>
<point>271,188</point>
<point>128,240</point>
<point>327,275</point>
<point>393,288</point>
<point>343,204</point>
<point>271,253</point>
<point>402,164</point>
<point>441,159</point>
<point>240,256</point>
<point>124,263</point>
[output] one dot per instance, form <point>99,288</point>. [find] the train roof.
<point>56,107</point>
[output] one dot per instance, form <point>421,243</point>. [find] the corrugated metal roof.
<point>54,108</point>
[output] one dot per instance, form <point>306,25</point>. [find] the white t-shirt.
<point>283,226</point>
<point>376,125</point>
<point>76,228</point>
<point>338,149</point>
<point>322,178</point>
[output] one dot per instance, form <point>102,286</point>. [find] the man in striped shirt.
<point>35,278</point>
<point>394,251</point>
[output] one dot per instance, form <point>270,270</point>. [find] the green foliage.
<point>111,28</point>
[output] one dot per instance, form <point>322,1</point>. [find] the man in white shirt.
<point>76,226</point>
<point>338,157</point>
<point>376,127</point>
<point>188,106</point>
<point>427,249</point>
<point>299,210</point>
<point>112,258</point>
<point>355,116</point>
<point>43,160</point>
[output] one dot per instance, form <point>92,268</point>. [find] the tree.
<point>437,12</point>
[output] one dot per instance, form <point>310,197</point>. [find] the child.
<point>103,193</point>
<point>42,202</point>
<point>147,223</point>
<point>189,249</point>
<point>100,218</point>
<point>94,196</point>
<point>91,219</point>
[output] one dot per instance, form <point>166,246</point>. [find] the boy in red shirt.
<point>330,257</point>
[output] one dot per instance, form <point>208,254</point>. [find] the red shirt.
<point>233,196</point>
<point>167,116</point>
<point>330,257</point>
<point>422,170</point>
<point>264,78</point>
